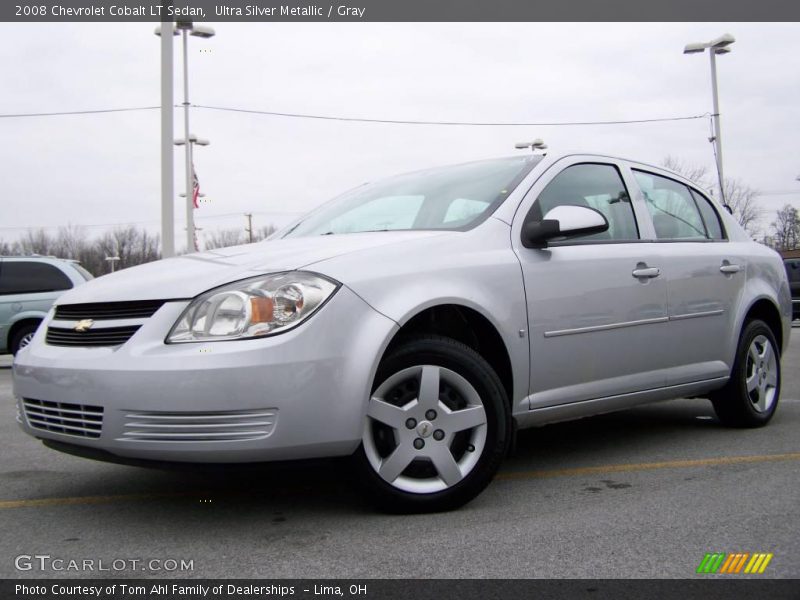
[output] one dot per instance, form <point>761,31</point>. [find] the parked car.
<point>791,260</point>
<point>28,287</point>
<point>416,323</point>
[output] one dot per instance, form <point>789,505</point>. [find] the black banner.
<point>397,589</point>
<point>401,11</point>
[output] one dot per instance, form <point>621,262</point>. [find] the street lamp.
<point>112,260</point>
<point>721,45</point>
<point>187,28</point>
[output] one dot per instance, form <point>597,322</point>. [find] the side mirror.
<point>563,221</point>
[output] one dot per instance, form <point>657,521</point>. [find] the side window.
<point>595,186</point>
<point>674,212</point>
<point>710,216</point>
<point>21,277</point>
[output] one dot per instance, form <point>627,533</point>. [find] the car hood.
<point>191,274</point>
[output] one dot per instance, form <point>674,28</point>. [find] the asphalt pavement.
<point>637,494</point>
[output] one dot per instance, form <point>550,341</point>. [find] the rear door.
<point>705,275</point>
<point>596,304</point>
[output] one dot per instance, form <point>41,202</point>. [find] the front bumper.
<point>300,394</point>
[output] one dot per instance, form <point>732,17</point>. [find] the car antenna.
<point>537,144</point>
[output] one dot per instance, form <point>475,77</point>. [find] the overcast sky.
<point>95,170</point>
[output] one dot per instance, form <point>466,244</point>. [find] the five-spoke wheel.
<point>750,397</point>
<point>436,426</point>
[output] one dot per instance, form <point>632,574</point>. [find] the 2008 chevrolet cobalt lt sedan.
<point>416,323</point>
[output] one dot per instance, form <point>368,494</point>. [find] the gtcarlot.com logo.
<point>46,562</point>
<point>734,563</point>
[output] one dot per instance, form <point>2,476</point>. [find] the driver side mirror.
<point>563,221</point>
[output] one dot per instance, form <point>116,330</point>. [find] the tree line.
<point>133,246</point>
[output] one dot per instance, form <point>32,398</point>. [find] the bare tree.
<point>263,233</point>
<point>696,173</point>
<point>222,238</point>
<point>740,197</point>
<point>743,201</point>
<point>786,228</point>
<point>35,241</point>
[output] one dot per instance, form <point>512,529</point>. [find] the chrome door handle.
<point>729,268</point>
<point>646,272</point>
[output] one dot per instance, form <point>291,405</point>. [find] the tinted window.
<point>595,186</point>
<point>710,216</point>
<point>675,215</point>
<point>21,277</point>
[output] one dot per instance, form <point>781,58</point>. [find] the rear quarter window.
<point>24,277</point>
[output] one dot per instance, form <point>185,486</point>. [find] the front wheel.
<point>437,427</point>
<point>750,397</point>
<point>22,337</point>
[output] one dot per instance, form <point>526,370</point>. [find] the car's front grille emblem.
<point>83,325</point>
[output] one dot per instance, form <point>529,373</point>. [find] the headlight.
<point>252,308</point>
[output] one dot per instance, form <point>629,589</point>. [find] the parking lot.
<point>642,493</point>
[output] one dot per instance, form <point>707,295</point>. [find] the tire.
<point>413,460</point>
<point>750,397</point>
<point>22,337</point>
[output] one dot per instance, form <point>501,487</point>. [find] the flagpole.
<point>190,245</point>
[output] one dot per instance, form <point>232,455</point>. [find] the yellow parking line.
<point>603,469</point>
<point>669,464</point>
<point>36,502</point>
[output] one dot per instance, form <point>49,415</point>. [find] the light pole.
<point>193,141</point>
<point>167,155</point>
<point>721,45</point>
<point>187,28</point>
<point>112,260</point>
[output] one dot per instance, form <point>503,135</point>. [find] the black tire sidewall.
<point>737,400</point>
<point>19,334</point>
<point>450,354</point>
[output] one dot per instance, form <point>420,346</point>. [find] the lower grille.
<point>103,336</point>
<point>239,426</point>
<point>78,420</point>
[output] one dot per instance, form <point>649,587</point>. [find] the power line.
<point>359,119</point>
<point>77,112</point>
<point>457,123</point>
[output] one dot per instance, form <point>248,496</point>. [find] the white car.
<point>415,324</point>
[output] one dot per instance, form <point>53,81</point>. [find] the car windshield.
<point>452,198</point>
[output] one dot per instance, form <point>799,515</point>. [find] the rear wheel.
<point>750,397</point>
<point>437,427</point>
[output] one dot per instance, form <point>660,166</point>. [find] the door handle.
<point>729,269</point>
<point>646,272</point>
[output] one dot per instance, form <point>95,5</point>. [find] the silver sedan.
<point>415,324</point>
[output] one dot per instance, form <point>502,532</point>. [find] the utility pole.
<point>167,159</point>
<point>249,228</point>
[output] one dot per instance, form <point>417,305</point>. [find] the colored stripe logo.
<point>734,563</point>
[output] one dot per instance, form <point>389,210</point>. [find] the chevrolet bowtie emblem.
<point>83,325</point>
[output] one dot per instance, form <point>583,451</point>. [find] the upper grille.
<point>238,426</point>
<point>60,417</point>
<point>104,336</point>
<point>98,311</point>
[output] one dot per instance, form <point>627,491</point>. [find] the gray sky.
<point>103,169</point>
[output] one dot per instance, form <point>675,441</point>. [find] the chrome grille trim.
<point>100,311</point>
<point>230,426</point>
<point>64,418</point>
<point>103,336</point>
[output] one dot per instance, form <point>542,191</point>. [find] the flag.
<point>195,187</point>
